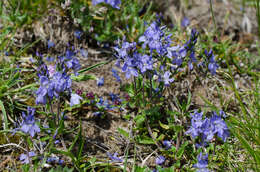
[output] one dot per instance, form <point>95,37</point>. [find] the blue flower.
<point>196,124</point>
<point>185,22</point>
<point>74,64</point>
<point>178,52</point>
<point>28,125</point>
<point>114,3</point>
<point>25,158</point>
<point>202,163</point>
<point>167,144</point>
<point>58,84</point>
<point>75,99</point>
<point>114,73</point>
<point>155,38</point>
<point>166,78</point>
<point>84,53</point>
<point>78,34</point>
<point>160,160</point>
<point>212,64</point>
<point>50,44</point>
<point>114,157</point>
<point>125,49</point>
<point>207,128</point>
<point>146,63</point>
<point>220,127</point>
<point>222,113</point>
<point>100,81</point>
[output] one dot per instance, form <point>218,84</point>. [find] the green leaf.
<point>123,132</point>
<point>139,120</point>
<point>181,150</point>
<point>164,126</point>
<point>145,140</point>
<point>94,66</point>
<point>83,77</point>
<point>5,115</point>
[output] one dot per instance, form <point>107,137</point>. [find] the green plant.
<point>19,13</point>
<point>106,24</point>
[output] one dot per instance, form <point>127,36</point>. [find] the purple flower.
<point>222,113</point>
<point>185,22</point>
<point>95,2</point>
<point>78,34</point>
<point>75,99</point>
<point>100,82</point>
<point>166,78</point>
<point>50,44</point>
<point>51,69</point>
<point>167,144</point>
<point>220,127</point>
<point>160,160</point>
<point>74,64</point>
<point>207,128</point>
<point>84,53</point>
<point>125,49</point>
<point>114,157</point>
<point>28,125</point>
<point>97,114</point>
<point>49,59</point>
<point>114,73</point>
<point>178,52</point>
<point>25,158</point>
<point>212,65</point>
<point>114,3</point>
<point>146,63</point>
<point>41,94</point>
<point>129,71</point>
<point>207,131</point>
<point>196,124</point>
<point>52,160</point>
<point>55,160</point>
<point>202,163</point>
<point>154,37</point>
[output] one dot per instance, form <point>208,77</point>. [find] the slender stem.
<point>27,149</point>
<point>151,87</point>
<point>52,112</point>
<point>58,111</point>
<point>212,14</point>
<point>143,91</point>
<point>151,133</point>
<point>135,86</point>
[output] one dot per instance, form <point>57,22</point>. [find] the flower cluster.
<point>114,3</point>
<point>206,129</point>
<point>155,38</point>
<point>54,86</point>
<point>158,58</point>
<point>202,163</point>
<point>55,79</point>
<point>155,43</point>
<point>28,125</point>
<point>212,64</point>
<point>26,158</point>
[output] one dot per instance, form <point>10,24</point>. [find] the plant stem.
<point>58,112</point>
<point>212,14</point>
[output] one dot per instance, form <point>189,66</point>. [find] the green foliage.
<point>19,13</point>
<point>247,130</point>
<point>106,24</point>
<point>61,169</point>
